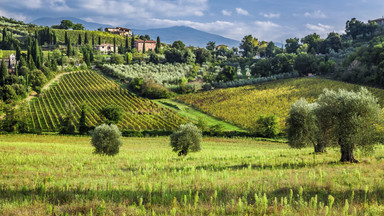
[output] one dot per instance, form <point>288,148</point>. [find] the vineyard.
<point>242,106</point>
<point>98,92</point>
<point>73,35</point>
<point>161,73</point>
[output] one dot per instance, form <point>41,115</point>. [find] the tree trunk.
<point>347,156</point>
<point>320,148</point>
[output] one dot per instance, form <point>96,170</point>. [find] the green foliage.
<point>268,126</point>
<point>249,46</point>
<point>186,139</point>
<point>179,45</point>
<point>301,125</point>
<point>292,44</point>
<point>68,120</point>
<point>152,90</point>
<point>227,74</point>
<point>3,72</point>
<point>202,55</point>
<point>211,46</point>
<point>112,113</point>
<point>352,116</point>
<point>341,118</point>
<point>83,128</point>
<point>117,59</point>
<point>37,79</point>
<point>106,139</point>
<point>305,64</point>
<point>66,24</point>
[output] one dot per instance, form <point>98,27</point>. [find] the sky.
<point>268,20</point>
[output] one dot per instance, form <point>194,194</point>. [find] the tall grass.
<point>46,175</point>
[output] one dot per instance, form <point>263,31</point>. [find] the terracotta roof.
<point>147,41</point>
<point>123,28</point>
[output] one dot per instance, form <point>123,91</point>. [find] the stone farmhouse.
<point>149,45</point>
<point>11,62</point>
<point>120,31</point>
<point>106,48</point>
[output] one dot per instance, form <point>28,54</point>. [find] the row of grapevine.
<point>243,105</point>
<point>97,92</point>
<point>160,73</point>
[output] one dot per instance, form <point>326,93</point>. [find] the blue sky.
<point>269,20</point>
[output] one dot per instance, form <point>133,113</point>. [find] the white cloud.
<point>242,11</point>
<point>226,13</point>
<point>321,29</point>
<point>270,15</point>
<point>266,24</point>
<point>315,14</point>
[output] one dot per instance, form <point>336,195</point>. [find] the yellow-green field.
<point>59,175</point>
<point>243,105</point>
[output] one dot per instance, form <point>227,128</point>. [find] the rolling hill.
<point>97,92</point>
<point>242,106</point>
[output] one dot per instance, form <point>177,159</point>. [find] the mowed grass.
<point>243,105</point>
<point>194,114</point>
<point>59,175</point>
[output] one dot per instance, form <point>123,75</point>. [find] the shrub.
<point>268,126</point>
<point>112,113</point>
<point>186,139</point>
<point>106,139</point>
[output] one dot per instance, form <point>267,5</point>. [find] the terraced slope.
<point>98,92</point>
<point>243,105</point>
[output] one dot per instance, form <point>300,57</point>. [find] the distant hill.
<point>189,36</point>
<point>49,21</point>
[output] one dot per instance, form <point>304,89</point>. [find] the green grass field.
<point>59,175</point>
<point>194,114</point>
<point>243,105</point>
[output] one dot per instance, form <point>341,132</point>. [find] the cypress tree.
<point>144,46</point>
<point>133,41</point>
<point>83,129</point>
<point>4,34</point>
<point>18,53</point>
<point>126,43</point>
<point>66,38</point>
<point>4,72</point>
<point>22,62</point>
<point>79,41</point>
<point>99,40</point>
<point>69,47</point>
<point>93,41</point>
<point>31,63</point>
<point>114,45</point>
<point>86,38</point>
<point>16,71</point>
<point>158,45</point>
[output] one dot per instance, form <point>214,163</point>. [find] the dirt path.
<point>33,94</point>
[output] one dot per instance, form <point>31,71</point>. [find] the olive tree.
<point>106,139</point>
<point>186,139</point>
<point>353,115</point>
<point>342,118</point>
<point>301,124</point>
